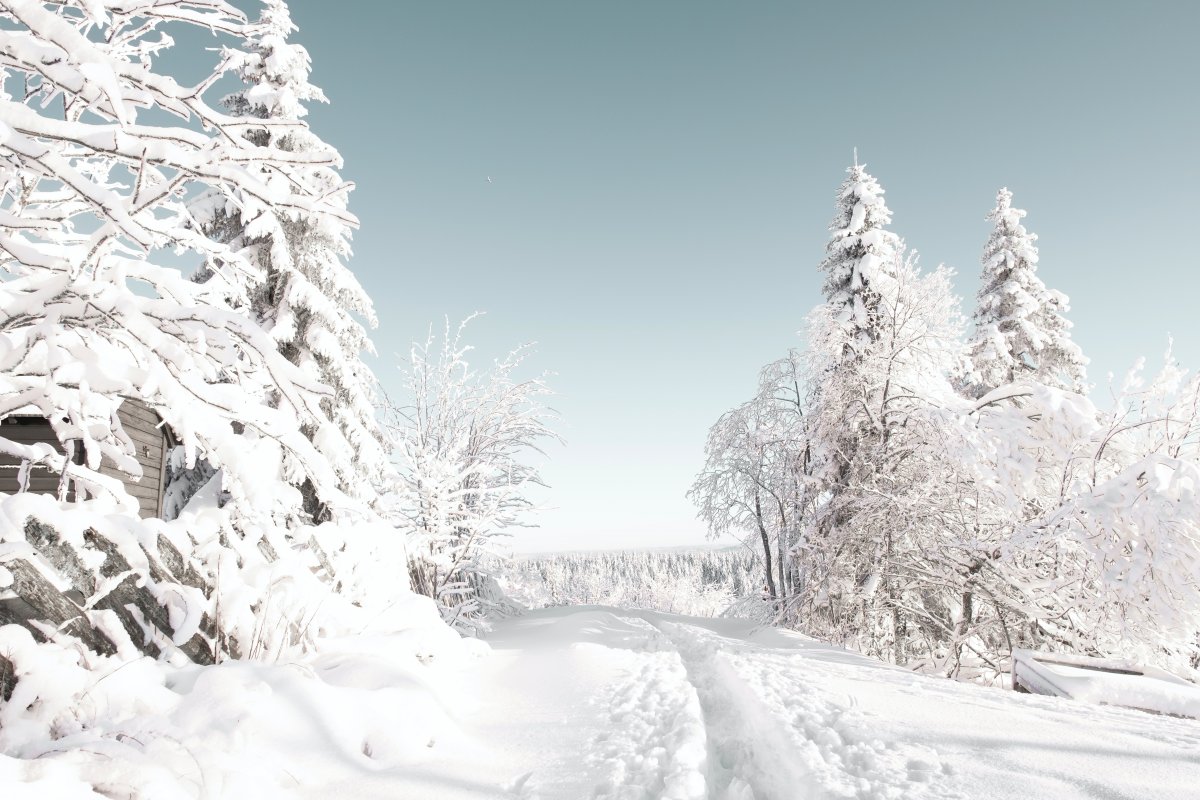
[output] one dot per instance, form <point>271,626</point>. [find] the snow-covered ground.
<point>590,702</point>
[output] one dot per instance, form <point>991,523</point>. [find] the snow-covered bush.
<point>463,440</point>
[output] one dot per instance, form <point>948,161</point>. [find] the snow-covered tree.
<point>754,476</point>
<point>942,521</point>
<point>1021,331</point>
<point>103,156</point>
<point>869,423</point>
<point>1112,565</point>
<point>463,441</point>
<point>300,290</point>
<point>860,263</point>
<point>861,391</point>
<point>858,256</point>
<point>94,184</point>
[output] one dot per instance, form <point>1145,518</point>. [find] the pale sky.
<point>663,174</point>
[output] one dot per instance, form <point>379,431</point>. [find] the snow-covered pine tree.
<point>859,254</point>
<point>874,422</point>
<point>303,294</point>
<point>861,259</point>
<point>1021,331</point>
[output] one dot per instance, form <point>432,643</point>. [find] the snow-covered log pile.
<point>110,626</point>
<point>328,681</point>
<point>192,590</point>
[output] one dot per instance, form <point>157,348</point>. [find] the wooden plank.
<point>142,426</point>
<point>133,410</point>
<point>147,448</point>
<point>36,470</point>
<point>150,439</point>
<point>150,458</point>
<point>25,432</point>
<point>13,464</point>
<point>141,444</point>
<point>108,469</point>
<point>162,478</point>
<point>150,467</point>
<point>138,491</point>
<point>147,507</point>
<point>30,434</point>
<point>131,486</point>
<point>132,405</point>
<point>148,434</point>
<point>44,486</point>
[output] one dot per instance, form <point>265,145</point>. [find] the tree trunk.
<point>766,543</point>
<point>780,546</point>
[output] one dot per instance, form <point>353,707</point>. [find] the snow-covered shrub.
<point>463,441</point>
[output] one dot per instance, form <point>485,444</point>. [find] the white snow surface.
<point>596,702</point>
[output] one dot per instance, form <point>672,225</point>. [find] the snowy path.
<point>604,703</point>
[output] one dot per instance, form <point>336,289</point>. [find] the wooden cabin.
<point>152,440</point>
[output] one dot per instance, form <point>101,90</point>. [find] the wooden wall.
<point>28,430</point>
<point>141,425</point>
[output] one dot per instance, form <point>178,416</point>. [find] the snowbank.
<point>342,666</point>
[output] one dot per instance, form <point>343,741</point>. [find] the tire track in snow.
<point>747,756</point>
<point>656,745</point>
<point>772,735</point>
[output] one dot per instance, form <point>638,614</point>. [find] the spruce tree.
<point>1021,333</point>
<point>304,295</point>
<point>860,253</point>
<point>859,266</point>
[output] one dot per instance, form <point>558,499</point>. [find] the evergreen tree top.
<point>274,70</point>
<point>1021,332</point>
<point>860,205</point>
<point>860,253</point>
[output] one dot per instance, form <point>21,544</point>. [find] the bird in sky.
<point>489,178</point>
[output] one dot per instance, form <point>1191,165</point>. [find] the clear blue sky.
<point>663,174</point>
